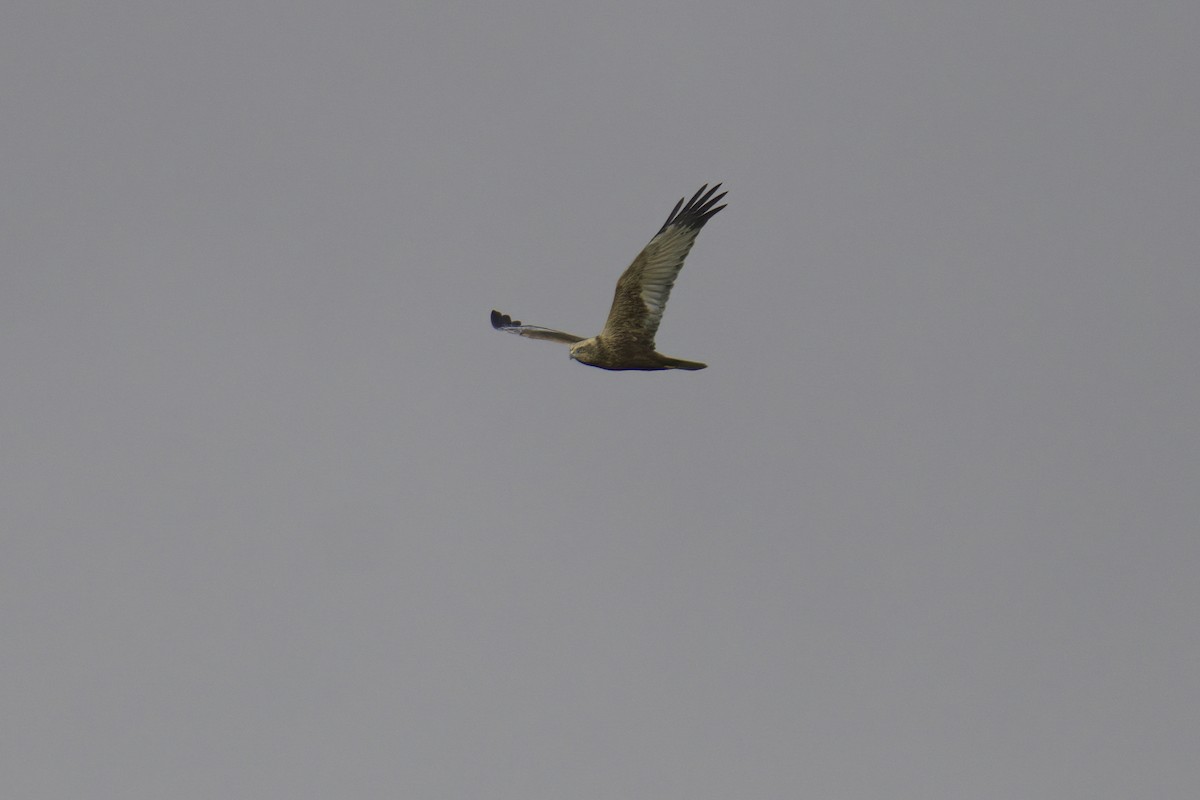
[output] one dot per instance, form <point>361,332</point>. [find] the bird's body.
<point>627,341</point>
<point>619,353</point>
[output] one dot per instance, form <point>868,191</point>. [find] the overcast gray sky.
<point>284,518</point>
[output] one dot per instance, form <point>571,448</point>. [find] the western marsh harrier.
<point>627,341</point>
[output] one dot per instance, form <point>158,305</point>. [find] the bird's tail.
<point>679,363</point>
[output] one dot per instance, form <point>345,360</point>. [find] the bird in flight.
<point>627,340</point>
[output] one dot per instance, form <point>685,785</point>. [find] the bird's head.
<point>584,351</point>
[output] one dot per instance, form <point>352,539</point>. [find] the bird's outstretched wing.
<point>644,288</point>
<point>503,322</point>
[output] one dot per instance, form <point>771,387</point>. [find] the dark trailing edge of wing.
<point>697,211</point>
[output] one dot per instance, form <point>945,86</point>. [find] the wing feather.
<point>644,288</point>
<point>503,322</point>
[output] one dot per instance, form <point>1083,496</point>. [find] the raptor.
<point>627,340</point>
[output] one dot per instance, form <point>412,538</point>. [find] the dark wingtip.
<point>697,210</point>
<point>502,321</point>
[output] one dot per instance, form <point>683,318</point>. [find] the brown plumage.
<point>627,340</point>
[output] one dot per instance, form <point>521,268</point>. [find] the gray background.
<point>283,517</point>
